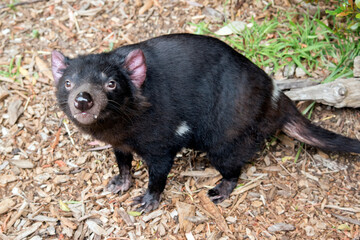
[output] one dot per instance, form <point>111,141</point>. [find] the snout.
<point>83,101</point>
<point>86,103</point>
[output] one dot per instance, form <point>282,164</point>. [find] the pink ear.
<point>57,65</point>
<point>135,64</point>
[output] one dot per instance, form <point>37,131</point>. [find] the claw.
<point>221,191</point>
<point>148,202</point>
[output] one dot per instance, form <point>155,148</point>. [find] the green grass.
<point>309,44</point>
<point>11,70</point>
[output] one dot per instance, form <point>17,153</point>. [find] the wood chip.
<point>125,216</point>
<point>42,218</point>
<point>4,179</point>
<point>189,236</point>
<point>346,219</point>
<point>308,175</point>
<point>245,188</point>
<point>94,227</point>
<point>22,163</point>
<point>28,231</point>
<point>257,204</point>
<point>208,172</point>
<point>184,211</point>
<point>68,223</point>
<point>6,204</point>
<point>15,109</point>
<point>4,93</point>
<point>18,214</point>
<point>152,215</point>
<point>61,179</point>
<point>209,206</point>
<point>281,227</point>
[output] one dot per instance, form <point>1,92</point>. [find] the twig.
<point>346,219</point>
<point>354,210</point>
<point>21,3</point>
<point>69,133</point>
<point>238,203</point>
<point>250,185</point>
<point>18,214</point>
<point>100,148</point>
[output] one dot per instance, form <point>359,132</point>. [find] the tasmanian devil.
<point>174,91</point>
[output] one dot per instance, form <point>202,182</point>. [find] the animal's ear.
<point>57,65</point>
<point>135,64</point>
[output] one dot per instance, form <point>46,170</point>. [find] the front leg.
<point>122,181</point>
<point>159,168</point>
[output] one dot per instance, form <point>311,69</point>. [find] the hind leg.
<point>228,160</point>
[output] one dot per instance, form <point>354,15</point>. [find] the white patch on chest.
<point>182,129</point>
<point>275,95</point>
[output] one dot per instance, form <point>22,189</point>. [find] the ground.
<point>53,187</point>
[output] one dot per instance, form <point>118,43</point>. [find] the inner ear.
<point>57,65</point>
<point>135,64</point>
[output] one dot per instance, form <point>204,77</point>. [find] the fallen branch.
<point>339,93</point>
<point>293,83</point>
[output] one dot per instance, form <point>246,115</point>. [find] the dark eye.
<point>67,84</point>
<point>111,85</point>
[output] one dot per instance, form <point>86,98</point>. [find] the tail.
<point>299,127</point>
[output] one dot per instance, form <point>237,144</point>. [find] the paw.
<point>216,196</point>
<point>119,184</point>
<point>148,202</point>
<point>222,191</point>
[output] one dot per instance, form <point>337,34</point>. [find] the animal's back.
<point>205,83</point>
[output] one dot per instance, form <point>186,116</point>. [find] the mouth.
<point>85,117</point>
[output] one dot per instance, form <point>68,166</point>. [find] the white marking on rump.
<point>275,95</point>
<point>182,129</point>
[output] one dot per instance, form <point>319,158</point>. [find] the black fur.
<point>228,105</point>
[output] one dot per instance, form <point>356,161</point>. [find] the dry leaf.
<point>64,206</point>
<point>344,227</point>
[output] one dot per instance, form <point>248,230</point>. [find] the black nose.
<point>83,101</point>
